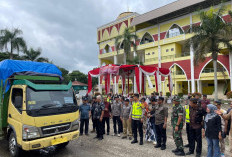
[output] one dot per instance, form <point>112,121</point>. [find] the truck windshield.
<point>41,103</point>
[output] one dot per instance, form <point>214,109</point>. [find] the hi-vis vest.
<point>137,110</point>
<point>187,118</point>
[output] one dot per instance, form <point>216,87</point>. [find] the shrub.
<point>180,95</point>
<point>168,94</point>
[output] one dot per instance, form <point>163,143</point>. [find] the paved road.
<point>111,146</point>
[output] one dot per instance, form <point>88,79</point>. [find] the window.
<point>167,50</point>
<point>172,49</point>
<point>107,49</point>
<point>175,30</point>
<point>153,53</point>
<point>147,38</point>
<point>17,98</point>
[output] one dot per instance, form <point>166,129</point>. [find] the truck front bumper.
<point>49,141</point>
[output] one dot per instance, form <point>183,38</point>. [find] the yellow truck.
<point>36,109</point>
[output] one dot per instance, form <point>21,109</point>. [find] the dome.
<point>124,14</point>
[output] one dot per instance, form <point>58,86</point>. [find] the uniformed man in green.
<point>177,124</point>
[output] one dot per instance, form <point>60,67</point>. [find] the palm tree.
<point>212,36</point>
<point>128,39</point>
<point>12,39</point>
<point>34,55</point>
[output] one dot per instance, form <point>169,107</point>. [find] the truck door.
<point>15,112</point>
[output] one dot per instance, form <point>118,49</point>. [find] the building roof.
<point>169,9</point>
<point>77,83</point>
<point>120,18</point>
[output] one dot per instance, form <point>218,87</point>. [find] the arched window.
<point>147,38</point>
<point>107,49</point>
<point>174,31</point>
<point>121,46</point>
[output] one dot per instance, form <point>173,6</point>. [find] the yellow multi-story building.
<point>162,35</point>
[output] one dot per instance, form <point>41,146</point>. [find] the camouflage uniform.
<point>177,136</point>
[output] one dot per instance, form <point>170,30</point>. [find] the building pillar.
<point>159,59</point>
<point>164,88</point>
<point>192,59</point>
<point>189,87</point>
<point>135,86</point>
<point>230,62</point>
<point>115,59</point>
<point>99,85</point>
<point>198,86</point>
<point>192,69</point>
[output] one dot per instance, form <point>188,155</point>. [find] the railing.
<point>183,54</point>
<point>179,72</point>
<point>211,70</point>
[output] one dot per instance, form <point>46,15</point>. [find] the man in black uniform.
<point>98,114</point>
<point>92,109</point>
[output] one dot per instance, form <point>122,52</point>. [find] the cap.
<point>161,98</point>
<point>194,100</point>
<point>176,98</point>
<point>218,102</point>
<point>84,98</point>
<point>153,100</point>
<point>127,100</point>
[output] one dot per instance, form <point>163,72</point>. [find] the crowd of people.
<point>147,116</point>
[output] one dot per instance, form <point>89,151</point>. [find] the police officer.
<point>187,121</point>
<point>177,124</point>
<point>98,114</point>
<point>136,115</point>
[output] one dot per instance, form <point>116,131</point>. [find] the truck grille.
<point>55,129</point>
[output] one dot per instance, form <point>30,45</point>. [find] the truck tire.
<point>13,146</point>
<point>62,145</point>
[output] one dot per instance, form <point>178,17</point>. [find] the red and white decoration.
<point>129,71</point>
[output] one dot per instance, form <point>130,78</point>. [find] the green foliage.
<point>13,39</point>
<point>212,32</point>
<point>127,39</point>
<point>65,74</point>
<point>180,95</point>
<point>168,94</point>
<point>34,55</point>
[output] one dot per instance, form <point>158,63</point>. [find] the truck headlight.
<point>75,125</point>
<point>30,132</point>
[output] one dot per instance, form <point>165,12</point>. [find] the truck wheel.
<point>62,145</point>
<point>13,146</point>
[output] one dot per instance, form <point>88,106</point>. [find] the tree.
<point>128,40</point>
<point>12,39</point>
<point>79,76</point>
<point>34,55</point>
<point>65,74</point>
<point>212,36</point>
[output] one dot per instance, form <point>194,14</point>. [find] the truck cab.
<point>40,113</point>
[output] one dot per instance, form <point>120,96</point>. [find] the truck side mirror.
<point>18,102</point>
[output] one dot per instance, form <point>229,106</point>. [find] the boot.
<point>141,142</point>
<point>180,153</point>
<point>134,141</point>
<point>187,145</point>
<point>163,147</point>
<point>189,153</point>
<point>175,150</point>
<point>157,146</point>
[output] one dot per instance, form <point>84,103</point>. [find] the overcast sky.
<point>66,30</point>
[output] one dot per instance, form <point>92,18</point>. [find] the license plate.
<point>59,141</point>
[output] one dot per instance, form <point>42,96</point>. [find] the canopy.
<point>10,67</point>
<point>127,71</point>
